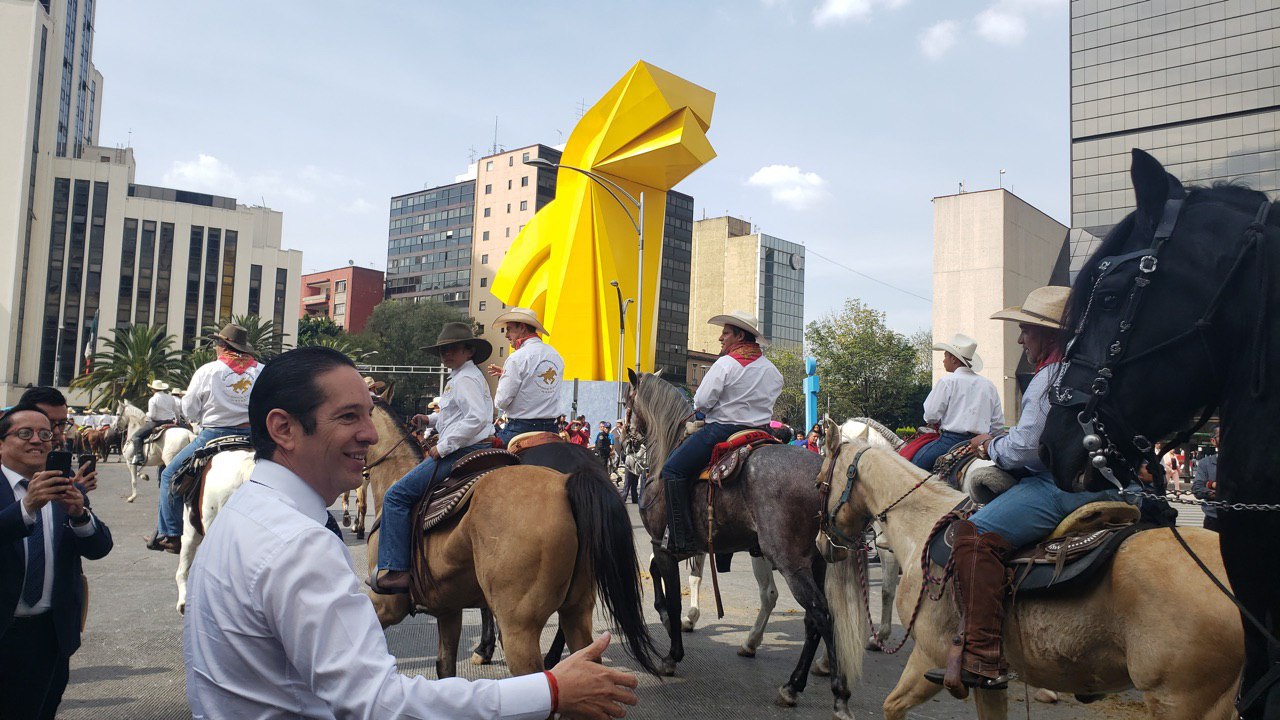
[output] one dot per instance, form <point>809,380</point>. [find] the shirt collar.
<point>294,488</point>
<point>965,370</point>
<point>13,476</point>
<point>466,368</point>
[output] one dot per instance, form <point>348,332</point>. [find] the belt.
<point>534,420</point>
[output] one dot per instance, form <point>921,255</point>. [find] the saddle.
<point>452,496</point>
<point>1078,550</point>
<point>159,431</point>
<point>187,479</point>
<point>913,445</point>
<point>728,457</point>
<point>529,440</point>
<point>952,466</point>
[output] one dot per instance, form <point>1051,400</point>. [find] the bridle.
<point>1085,382</point>
<point>827,517</point>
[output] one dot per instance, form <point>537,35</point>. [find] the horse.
<point>1186,665</point>
<point>770,504</point>
<point>95,441</point>
<point>534,542</point>
<point>362,492</point>
<point>1168,320</point>
<point>159,453</point>
<point>227,471</point>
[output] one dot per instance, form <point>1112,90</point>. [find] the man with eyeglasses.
<point>53,404</point>
<point>46,527</point>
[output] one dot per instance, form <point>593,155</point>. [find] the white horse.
<point>227,471</point>
<point>158,454</point>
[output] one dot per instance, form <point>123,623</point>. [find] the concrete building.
<point>1195,83</point>
<point>429,245</point>
<point>735,268</point>
<point>83,248</point>
<point>990,249</point>
<point>347,295</point>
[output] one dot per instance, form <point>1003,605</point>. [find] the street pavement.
<point>130,665</point>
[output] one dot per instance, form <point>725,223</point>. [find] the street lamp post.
<point>610,186</point>
<point>622,339</point>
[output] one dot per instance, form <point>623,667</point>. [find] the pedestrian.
<point>814,443</point>
<point>604,443</point>
<point>580,431</point>
<point>47,527</point>
<point>635,466</point>
<point>271,577</point>
<point>529,383</point>
<point>800,441</point>
<point>1205,486</point>
<point>962,405</point>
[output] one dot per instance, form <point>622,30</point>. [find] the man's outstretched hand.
<point>591,690</point>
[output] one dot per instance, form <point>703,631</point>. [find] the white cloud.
<point>1001,25</point>
<point>208,174</point>
<point>789,185</point>
<point>939,38</point>
<point>842,11</point>
<point>359,206</point>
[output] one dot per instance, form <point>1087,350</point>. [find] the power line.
<point>811,251</point>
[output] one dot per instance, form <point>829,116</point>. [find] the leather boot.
<point>680,534</point>
<point>981,583</point>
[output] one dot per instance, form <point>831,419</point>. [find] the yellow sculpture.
<point>646,134</point>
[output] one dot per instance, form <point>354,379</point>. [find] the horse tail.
<point>845,600</point>
<point>607,547</point>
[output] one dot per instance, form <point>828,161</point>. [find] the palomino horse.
<point>227,471</point>
<point>159,454</point>
<point>770,504</point>
<point>362,493</point>
<point>533,543</point>
<point>1173,316</point>
<point>1114,634</point>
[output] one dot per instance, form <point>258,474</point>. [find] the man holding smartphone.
<point>46,527</point>
<point>51,402</point>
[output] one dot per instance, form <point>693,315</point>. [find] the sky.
<point>836,121</point>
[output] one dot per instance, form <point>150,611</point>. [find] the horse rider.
<point>217,399</point>
<point>1025,513</point>
<point>465,424</point>
<point>162,408</point>
<point>737,393</point>
<point>529,383</point>
<point>962,405</point>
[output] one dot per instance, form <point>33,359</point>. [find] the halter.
<point>1128,449</point>
<point>827,518</point>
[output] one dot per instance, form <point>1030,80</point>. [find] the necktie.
<point>333,526</point>
<point>33,583</point>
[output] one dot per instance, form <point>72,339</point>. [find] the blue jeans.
<point>691,458</point>
<point>926,456</point>
<point>397,505</point>
<point>1030,510</point>
<point>171,505</point>
<point>518,427</point>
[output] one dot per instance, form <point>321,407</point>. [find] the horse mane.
<point>890,436</point>
<point>664,408</point>
<point>397,421</point>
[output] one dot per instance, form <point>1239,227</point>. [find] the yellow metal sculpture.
<point>646,134</point>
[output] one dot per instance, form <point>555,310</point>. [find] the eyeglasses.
<point>62,425</point>
<point>28,433</point>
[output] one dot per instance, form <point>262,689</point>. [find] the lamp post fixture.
<point>636,222</point>
<point>622,339</point>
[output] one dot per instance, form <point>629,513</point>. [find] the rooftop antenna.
<point>961,187</point>
<point>472,153</point>
<point>130,143</point>
<point>495,135</point>
<point>582,108</point>
<point>1001,178</point>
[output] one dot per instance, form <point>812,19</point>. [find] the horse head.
<point>1159,318</point>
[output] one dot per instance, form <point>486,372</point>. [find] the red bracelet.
<point>555,692</point>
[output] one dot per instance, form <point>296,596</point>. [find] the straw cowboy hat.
<point>1043,307</point>
<point>159,385</point>
<point>455,333</point>
<point>435,402</point>
<point>235,336</point>
<point>742,321</point>
<point>522,315</point>
<point>374,385</point>
<point>964,348</point>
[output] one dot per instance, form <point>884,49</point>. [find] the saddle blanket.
<point>728,457</point>
<point>186,481</point>
<point>913,445</point>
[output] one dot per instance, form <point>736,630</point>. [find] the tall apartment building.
<point>83,248</point>
<point>1196,83</point>
<point>735,268</point>
<point>429,245</point>
<point>346,295</point>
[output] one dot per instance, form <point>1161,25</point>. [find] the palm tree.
<point>267,342</point>
<point>202,355</point>
<point>343,345</point>
<point>134,356</point>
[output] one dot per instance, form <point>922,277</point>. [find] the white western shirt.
<point>735,394</point>
<point>163,407</point>
<point>277,625</point>
<point>219,396</point>
<point>530,385</point>
<point>964,402</point>
<point>466,410</point>
<point>46,516</point>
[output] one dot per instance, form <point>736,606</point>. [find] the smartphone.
<point>60,461</point>
<point>89,458</point>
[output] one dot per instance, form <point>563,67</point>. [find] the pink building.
<point>347,295</point>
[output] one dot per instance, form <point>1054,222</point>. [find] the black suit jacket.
<point>68,592</point>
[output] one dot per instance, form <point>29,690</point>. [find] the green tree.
<point>396,332</point>
<point>312,329</point>
<point>134,356</point>
<point>266,340</point>
<point>790,404</point>
<point>202,355</point>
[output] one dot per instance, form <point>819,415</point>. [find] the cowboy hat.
<point>234,336</point>
<point>521,315</point>
<point>742,321</point>
<point>435,402</point>
<point>455,333</point>
<point>158,385</point>
<point>374,385</point>
<point>1043,307</point>
<point>964,348</point>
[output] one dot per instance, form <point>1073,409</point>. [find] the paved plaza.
<point>130,666</point>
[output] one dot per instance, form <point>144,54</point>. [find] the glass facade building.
<point>781,298</point>
<point>672,349</point>
<point>1196,83</point>
<point>429,244</point>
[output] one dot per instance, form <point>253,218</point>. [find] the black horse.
<point>1169,320</point>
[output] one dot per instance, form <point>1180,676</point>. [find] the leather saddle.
<point>159,431</point>
<point>452,496</point>
<point>529,440</point>
<point>187,479</point>
<point>1078,550</point>
<point>729,457</point>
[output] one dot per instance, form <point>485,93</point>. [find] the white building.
<point>81,242</point>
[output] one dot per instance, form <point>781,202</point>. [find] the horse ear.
<point>632,377</point>
<point>658,373</point>
<point>1152,186</point>
<point>833,436</point>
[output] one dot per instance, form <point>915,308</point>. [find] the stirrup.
<point>374,584</point>
<point>970,679</point>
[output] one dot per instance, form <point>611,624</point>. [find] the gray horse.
<point>773,504</point>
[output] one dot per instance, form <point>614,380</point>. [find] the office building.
<point>429,245</point>
<point>346,295</point>
<point>83,248</point>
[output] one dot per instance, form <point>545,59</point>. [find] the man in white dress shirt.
<point>464,424</point>
<point>962,405</point>
<point>276,624</point>
<point>529,383</point>
<point>161,408</point>
<point>737,393</point>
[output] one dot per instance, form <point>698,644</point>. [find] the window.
<point>511,160</point>
<point>339,309</point>
<point>524,204</point>
<point>508,184</point>
<point>488,165</point>
<point>486,212</point>
<point>484,259</point>
<point>508,232</point>
<point>524,158</point>
<point>484,282</point>
<point>524,181</point>
<point>508,207</point>
<point>340,286</point>
<point>488,189</point>
<point>482,304</point>
<point>485,235</point>
<point>502,351</point>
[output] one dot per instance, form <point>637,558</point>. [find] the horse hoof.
<point>478,659</point>
<point>182,608</point>
<point>667,668</point>
<point>746,652</point>
<point>1046,696</point>
<point>686,625</point>
<point>131,498</point>
<point>842,714</point>
<point>359,534</point>
<point>821,668</point>
<point>786,697</point>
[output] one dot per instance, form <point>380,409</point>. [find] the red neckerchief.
<point>744,352</point>
<point>238,362</point>
<point>1055,356</point>
<point>517,344</point>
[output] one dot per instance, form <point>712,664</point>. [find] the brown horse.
<point>533,543</point>
<point>95,441</point>
<point>362,493</point>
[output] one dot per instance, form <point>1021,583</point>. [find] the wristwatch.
<point>82,520</point>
